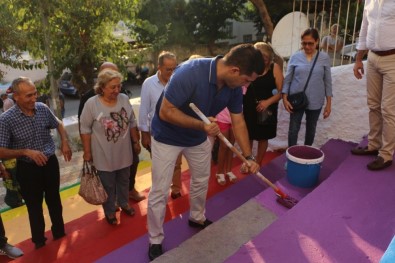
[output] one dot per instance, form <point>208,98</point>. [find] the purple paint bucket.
<point>303,165</point>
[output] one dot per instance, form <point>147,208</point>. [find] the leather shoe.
<point>154,251</point>
<point>128,210</point>
<point>38,245</point>
<point>203,225</point>
<point>136,196</point>
<point>111,220</point>
<point>175,195</point>
<point>379,164</point>
<point>364,151</point>
<point>59,236</point>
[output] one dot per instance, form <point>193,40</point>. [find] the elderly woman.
<point>106,132</point>
<point>261,100</point>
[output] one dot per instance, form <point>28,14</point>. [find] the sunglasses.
<point>308,44</point>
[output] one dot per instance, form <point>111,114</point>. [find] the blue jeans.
<point>295,120</point>
<point>116,184</point>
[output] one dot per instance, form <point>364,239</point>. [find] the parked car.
<point>350,51</point>
<point>66,87</point>
<point>5,87</point>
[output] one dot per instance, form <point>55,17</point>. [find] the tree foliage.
<point>160,24</point>
<point>206,19</point>
<point>12,41</point>
<point>185,23</point>
<point>80,33</point>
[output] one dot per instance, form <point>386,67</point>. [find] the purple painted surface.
<point>348,218</point>
<point>177,230</point>
<point>336,151</point>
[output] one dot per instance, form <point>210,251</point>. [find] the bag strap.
<point>311,70</point>
<point>85,168</point>
<point>88,168</point>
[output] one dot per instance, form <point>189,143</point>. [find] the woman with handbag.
<point>260,101</point>
<point>307,83</point>
<point>106,132</point>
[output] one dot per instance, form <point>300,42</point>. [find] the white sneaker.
<point>11,251</point>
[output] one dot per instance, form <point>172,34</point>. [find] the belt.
<point>384,53</point>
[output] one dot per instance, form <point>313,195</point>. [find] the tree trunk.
<point>51,68</point>
<point>83,76</point>
<point>266,19</point>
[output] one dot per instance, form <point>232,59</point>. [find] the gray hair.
<point>167,55</point>
<point>16,82</point>
<point>105,76</point>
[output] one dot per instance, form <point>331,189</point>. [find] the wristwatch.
<point>250,158</point>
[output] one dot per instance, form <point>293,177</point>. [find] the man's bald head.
<point>108,65</point>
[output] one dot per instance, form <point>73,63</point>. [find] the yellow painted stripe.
<point>10,214</point>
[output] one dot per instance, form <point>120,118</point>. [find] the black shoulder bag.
<point>299,100</point>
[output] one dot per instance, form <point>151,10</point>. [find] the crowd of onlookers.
<point>239,94</point>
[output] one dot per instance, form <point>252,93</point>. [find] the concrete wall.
<point>348,120</point>
<point>10,73</point>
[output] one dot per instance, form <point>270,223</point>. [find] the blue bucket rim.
<point>305,161</point>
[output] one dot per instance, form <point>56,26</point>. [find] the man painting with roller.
<point>211,84</point>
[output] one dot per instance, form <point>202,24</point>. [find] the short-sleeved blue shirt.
<point>194,81</point>
<point>18,131</point>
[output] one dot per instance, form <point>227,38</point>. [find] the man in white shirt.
<point>377,40</point>
<point>7,102</point>
<point>150,92</point>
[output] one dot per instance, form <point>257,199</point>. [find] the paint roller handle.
<point>220,135</point>
<point>234,150</point>
<point>275,188</point>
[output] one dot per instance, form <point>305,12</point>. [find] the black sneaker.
<point>11,251</point>
<point>203,225</point>
<point>154,251</point>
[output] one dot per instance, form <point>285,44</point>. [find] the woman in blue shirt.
<point>318,88</point>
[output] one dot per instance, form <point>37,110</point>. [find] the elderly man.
<point>211,84</point>
<point>150,92</point>
<point>25,134</point>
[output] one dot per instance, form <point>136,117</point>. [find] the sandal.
<point>111,220</point>
<point>221,179</point>
<point>232,177</point>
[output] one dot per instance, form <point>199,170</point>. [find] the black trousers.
<point>3,239</point>
<point>133,170</point>
<point>36,184</point>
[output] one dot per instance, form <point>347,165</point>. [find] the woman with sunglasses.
<point>318,89</point>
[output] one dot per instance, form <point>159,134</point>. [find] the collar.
<point>22,113</point>
<point>212,78</point>
<point>158,78</point>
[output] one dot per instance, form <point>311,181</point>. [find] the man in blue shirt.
<point>211,84</point>
<point>25,134</point>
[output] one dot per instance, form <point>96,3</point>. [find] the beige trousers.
<point>164,157</point>
<point>176,183</point>
<point>380,76</point>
